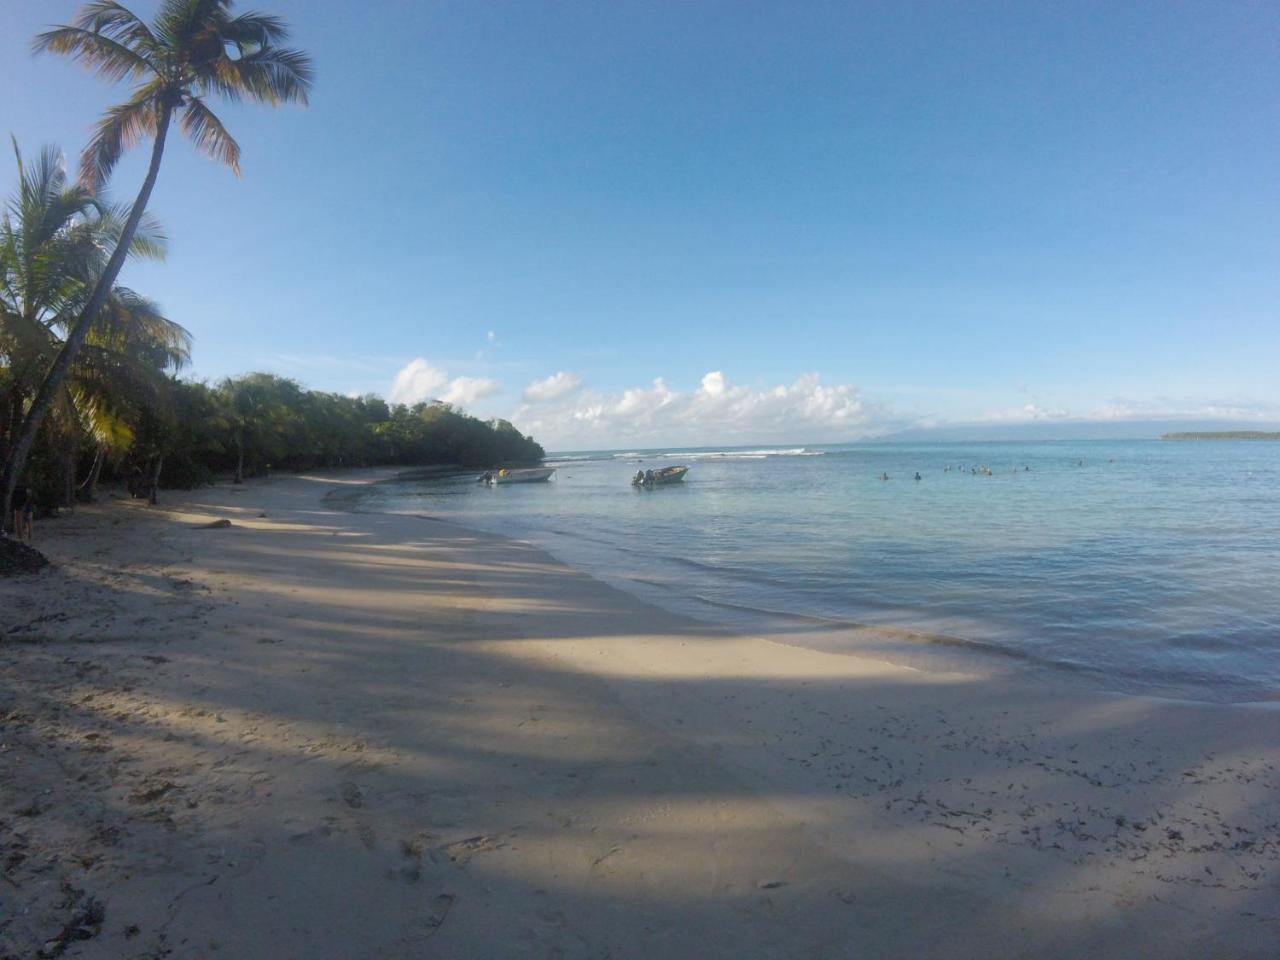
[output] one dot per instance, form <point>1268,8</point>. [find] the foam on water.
<point>1138,565</point>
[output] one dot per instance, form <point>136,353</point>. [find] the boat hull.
<point>663,478</point>
<point>528,475</point>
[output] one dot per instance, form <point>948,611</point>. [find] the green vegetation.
<point>192,48</point>
<point>1222,435</point>
<point>88,369</point>
<point>248,425</point>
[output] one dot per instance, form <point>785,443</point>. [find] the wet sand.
<point>323,734</point>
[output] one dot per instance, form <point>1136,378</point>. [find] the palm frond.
<point>149,240</point>
<point>119,23</point>
<point>209,135</point>
<point>255,30</point>
<point>108,58</point>
<point>269,75</point>
<point>179,21</point>
<point>122,128</point>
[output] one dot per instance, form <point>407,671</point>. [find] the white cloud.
<point>492,338</point>
<point>1160,408</point>
<point>718,411</point>
<point>554,387</point>
<point>1027,413</point>
<point>464,391</point>
<point>1163,408</point>
<point>419,380</point>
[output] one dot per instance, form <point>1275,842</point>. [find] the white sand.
<point>329,735</point>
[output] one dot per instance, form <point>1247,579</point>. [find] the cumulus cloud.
<point>419,381</point>
<point>464,391</point>
<point>554,387</point>
<point>1027,413</point>
<point>718,411</point>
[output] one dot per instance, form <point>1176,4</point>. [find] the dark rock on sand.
<point>17,558</point>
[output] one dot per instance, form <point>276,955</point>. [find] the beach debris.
<point>461,851</point>
<point>151,791</point>
<point>770,884</point>
<point>18,558</point>
<point>85,923</point>
<point>214,525</point>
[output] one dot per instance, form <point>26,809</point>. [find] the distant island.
<point>1222,435</point>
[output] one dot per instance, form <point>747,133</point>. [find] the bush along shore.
<point>247,426</point>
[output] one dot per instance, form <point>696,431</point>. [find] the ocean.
<point>1139,566</point>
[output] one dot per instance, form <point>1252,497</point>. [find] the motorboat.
<point>659,478</point>
<point>518,475</point>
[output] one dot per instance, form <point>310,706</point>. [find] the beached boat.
<point>659,478</point>
<point>519,475</point>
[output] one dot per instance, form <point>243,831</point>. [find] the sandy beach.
<point>324,734</point>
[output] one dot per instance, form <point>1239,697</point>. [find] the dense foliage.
<point>248,425</point>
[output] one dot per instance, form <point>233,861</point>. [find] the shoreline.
<point>486,752</point>
<point>899,644</point>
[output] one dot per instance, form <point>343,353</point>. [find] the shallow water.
<point>1143,566</point>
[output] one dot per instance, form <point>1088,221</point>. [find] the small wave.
<point>887,631</point>
<point>760,454</point>
<point>740,454</point>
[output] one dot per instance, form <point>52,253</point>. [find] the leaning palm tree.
<point>54,238</point>
<point>53,241</point>
<point>192,49</point>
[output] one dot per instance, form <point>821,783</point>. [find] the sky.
<point>727,222</point>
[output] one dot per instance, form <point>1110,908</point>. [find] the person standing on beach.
<point>24,509</point>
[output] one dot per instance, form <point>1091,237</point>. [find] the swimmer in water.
<point>917,476</point>
<point>884,476</point>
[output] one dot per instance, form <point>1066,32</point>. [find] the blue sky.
<point>732,221</point>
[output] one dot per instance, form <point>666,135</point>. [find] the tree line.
<point>245,426</point>
<point>89,386</point>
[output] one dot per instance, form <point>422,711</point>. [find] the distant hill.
<point>1070,430</point>
<point>1222,435</point>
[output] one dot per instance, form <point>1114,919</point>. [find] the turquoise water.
<point>1143,566</point>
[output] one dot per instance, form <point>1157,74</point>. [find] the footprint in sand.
<point>351,794</point>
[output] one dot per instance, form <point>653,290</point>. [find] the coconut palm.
<point>191,50</point>
<point>54,239</point>
<point>121,376</point>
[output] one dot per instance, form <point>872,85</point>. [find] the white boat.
<point>519,475</point>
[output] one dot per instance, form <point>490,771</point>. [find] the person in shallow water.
<point>917,476</point>
<point>884,476</point>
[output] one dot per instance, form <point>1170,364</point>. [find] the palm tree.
<point>53,242</point>
<point>191,49</point>
<point>121,377</point>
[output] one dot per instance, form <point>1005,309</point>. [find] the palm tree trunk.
<point>155,478</point>
<point>91,485</point>
<point>239,458</point>
<point>17,458</point>
<point>69,457</point>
